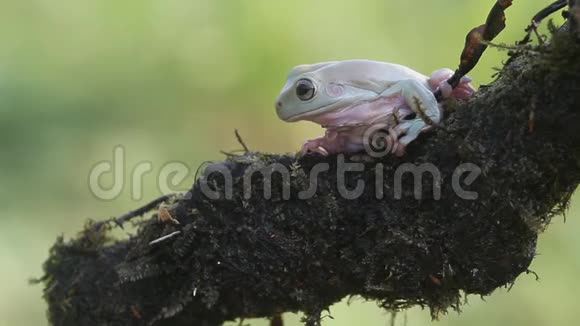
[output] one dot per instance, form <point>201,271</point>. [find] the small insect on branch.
<point>119,221</point>
<point>476,43</point>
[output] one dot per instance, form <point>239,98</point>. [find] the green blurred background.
<point>170,80</point>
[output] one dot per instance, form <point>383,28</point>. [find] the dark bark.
<point>257,258</point>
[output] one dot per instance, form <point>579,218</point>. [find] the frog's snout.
<point>284,110</point>
<point>280,110</point>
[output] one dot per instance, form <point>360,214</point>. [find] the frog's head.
<point>312,90</point>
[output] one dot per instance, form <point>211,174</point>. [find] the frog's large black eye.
<point>305,89</point>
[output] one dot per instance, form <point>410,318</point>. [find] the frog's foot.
<point>439,79</point>
<point>398,146</point>
<point>313,145</point>
<point>409,130</point>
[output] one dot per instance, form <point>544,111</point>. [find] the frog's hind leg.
<point>439,79</point>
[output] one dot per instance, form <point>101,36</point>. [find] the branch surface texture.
<point>254,257</point>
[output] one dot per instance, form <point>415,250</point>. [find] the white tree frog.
<point>349,97</point>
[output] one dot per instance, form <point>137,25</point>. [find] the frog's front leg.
<point>421,100</point>
<point>334,141</point>
<point>314,145</point>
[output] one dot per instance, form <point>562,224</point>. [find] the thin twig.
<point>246,149</point>
<point>535,22</point>
<point>474,47</point>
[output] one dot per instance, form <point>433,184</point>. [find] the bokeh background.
<point>170,80</point>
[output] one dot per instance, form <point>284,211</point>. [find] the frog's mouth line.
<point>352,115</point>
<point>313,116</point>
<point>316,113</point>
<point>345,125</point>
<point>317,117</point>
<point>338,106</point>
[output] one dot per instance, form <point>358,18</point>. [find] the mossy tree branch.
<point>241,258</point>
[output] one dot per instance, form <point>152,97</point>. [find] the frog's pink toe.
<point>439,79</point>
<point>466,80</point>
<point>319,150</point>
<point>400,150</point>
<point>308,146</point>
<point>462,94</point>
<point>313,145</point>
<point>394,141</point>
<point>446,89</point>
<point>439,76</point>
<point>464,90</point>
